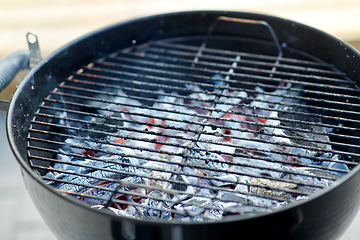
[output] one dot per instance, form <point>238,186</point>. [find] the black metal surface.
<point>327,92</point>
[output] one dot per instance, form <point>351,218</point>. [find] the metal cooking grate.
<point>116,134</point>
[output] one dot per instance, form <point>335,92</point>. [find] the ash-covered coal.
<point>198,157</point>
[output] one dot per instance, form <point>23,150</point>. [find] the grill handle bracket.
<point>35,56</point>
<point>249,21</point>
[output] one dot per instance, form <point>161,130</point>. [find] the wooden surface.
<point>59,21</point>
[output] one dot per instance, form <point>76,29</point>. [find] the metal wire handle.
<point>250,21</point>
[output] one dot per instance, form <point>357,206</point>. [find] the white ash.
<point>244,179</point>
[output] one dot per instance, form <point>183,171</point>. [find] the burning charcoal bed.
<point>165,131</point>
<point>194,131</point>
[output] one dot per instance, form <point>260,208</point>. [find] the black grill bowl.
<point>324,215</point>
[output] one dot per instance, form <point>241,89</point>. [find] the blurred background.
<point>57,22</point>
